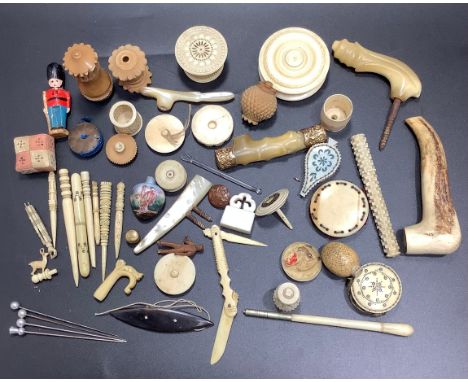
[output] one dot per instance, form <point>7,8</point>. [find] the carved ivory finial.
<point>97,229</point>
<point>53,206</point>
<point>88,205</point>
<point>119,207</point>
<point>69,218</point>
<point>80,226</point>
<point>104,221</point>
<point>438,233</point>
<point>377,203</point>
<point>121,270</point>
<point>46,275</point>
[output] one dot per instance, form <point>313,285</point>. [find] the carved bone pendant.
<point>321,162</point>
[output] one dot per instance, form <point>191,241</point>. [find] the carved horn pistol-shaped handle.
<point>121,270</point>
<point>404,82</point>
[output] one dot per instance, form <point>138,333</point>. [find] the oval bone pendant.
<point>321,162</point>
<point>296,61</point>
<point>339,208</point>
<point>212,125</point>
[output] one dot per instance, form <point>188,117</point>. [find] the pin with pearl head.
<point>25,312</point>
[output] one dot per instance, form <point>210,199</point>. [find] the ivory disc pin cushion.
<point>164,133</point>
<point>295,61</point>
<point>339,208</point>
<point>174,274</point>
<point>212,125</point>
<point>201,52</point>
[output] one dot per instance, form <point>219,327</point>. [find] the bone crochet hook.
<point>403,330</point>
<point>165,98</point>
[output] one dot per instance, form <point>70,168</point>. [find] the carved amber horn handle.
<point>404,82</point>
<point>245,150</point>
<point>121,270</point>
<point>438,233</point>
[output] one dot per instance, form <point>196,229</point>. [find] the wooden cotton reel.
<point>165,133</point>
<point>339,208</point>
<point>296,61</point>
<point>201,52</point>
<point>212,125</point>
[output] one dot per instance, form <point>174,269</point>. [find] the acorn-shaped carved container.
<point>147,199</point>
<point>259,102</point>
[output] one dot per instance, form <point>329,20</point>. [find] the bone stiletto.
<point>53,206</point>
<point>119,207</point>
<point>69,218</point>
<point>104,220</point>
<point>80,226</point>
<point>89,216</point>
<point>97,229</point>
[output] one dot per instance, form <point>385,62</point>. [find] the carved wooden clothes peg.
<point>187,248</point>
<point>121,270</point>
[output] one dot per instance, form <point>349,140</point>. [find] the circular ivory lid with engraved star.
<point>375,289</point>
<point>201,52</point>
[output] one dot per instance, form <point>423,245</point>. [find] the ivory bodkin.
<point>69,218</point>
<point>104,221</point>
<point>95,200</point>
<point>53,206</point>
<point>89,216</point>
<point>119,207</point>
<point>80,225</point>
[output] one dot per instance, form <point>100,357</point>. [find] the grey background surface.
<point>432,39</point>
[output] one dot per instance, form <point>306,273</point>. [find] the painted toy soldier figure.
<point>56,101</point>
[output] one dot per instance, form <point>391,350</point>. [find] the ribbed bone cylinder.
<point>125,118</point>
